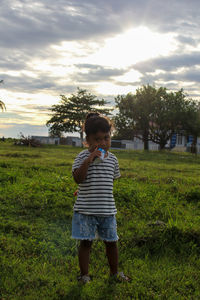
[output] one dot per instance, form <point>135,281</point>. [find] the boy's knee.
<point>110,244</point>
<point>86,243</point>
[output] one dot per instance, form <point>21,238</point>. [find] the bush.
<point>27,141</point>
<point>193,195</point>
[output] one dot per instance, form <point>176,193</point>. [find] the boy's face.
<point>100,140</point>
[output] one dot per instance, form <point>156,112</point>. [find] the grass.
<point>38,258</point>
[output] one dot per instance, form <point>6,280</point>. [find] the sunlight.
<point>106,88</point>
<point>133,46</point>
<point>128,77</point>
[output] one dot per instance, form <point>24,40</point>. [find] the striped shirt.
<point>95,193</point>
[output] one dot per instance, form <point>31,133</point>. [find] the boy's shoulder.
<point>83,153</point>
<point>112,155</point>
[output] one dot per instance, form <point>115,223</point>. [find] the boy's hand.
<point>94,154</point>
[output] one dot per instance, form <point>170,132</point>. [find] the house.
<point>178,142</point>
<point>181,143</point>
<point>46,139</point>
<point>71,140</point>
<point>135,144</point>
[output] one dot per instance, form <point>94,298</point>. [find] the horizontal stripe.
<point>98,179</point>
<point>95,197</point>
<point>83,201</point>
<point>93,186</point>
<point>103,168</point>
<point>95,176</point>
<point>95,192</point>
<point>97,213</point>
<point>103,206</point>
<point>107,209</point>
<point>93,212</point>
<point>102,172</point>
<point>107,164</point>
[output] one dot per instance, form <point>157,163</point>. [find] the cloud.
<point>38,108</point>
<point>13,115</point>
<point>169,63</point>
<point>33,27</point>
<point>45,45</point>
<point>188,79</point>
<point>12,129</point>
<point>187,40</point>
<point>36,24</point>
<point>173,72</point>
<point>43,82</point>
<point>94,73</point>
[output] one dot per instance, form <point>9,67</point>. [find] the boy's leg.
<point>112,255</point>
<point>84,256</point>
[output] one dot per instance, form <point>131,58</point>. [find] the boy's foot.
<point>84,279</point>
<point>120,277</point>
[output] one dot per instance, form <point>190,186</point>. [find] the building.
<point>69,140</point>
<point>178,142</point>
<point>135,144</point>
<point>181,143</point>
<point>46,140</point>
<point>72,141</point>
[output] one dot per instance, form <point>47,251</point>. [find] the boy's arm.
<point>81,173</point>
<point>117,171</point>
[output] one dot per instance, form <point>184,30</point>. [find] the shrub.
<point>193,195</point>
<point>27,141</point>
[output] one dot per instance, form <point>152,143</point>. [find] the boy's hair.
<point>95,122</point>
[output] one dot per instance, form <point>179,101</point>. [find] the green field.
<point>38,259</point>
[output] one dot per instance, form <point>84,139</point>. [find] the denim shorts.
<point>89,227</point>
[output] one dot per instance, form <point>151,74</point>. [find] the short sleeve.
<point>79,160</point>
<point>116,172</point>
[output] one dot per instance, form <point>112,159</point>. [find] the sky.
<point>107,47</point>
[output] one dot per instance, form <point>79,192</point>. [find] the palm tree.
<point>2,105</point>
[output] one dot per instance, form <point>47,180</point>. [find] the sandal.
<point>120,277</point>
<point>84,279</point>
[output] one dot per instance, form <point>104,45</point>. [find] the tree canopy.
<point>70,114</point>
<point>136,109</point>
<point>155,114</point>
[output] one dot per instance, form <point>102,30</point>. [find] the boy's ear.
<point>86,143</point>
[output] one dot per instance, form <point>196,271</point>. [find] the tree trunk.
<point>194,146</point>
<point>146,141</point>
<point>162,145</point>
<point>81,136</point>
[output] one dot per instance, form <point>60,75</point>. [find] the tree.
<point>171,113</point>
<point>192,122</point>
<point>136,111</point>
<point>70,114</point>
<point>154,114</point>
<point>2,105</point>
<point>124,120</point>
